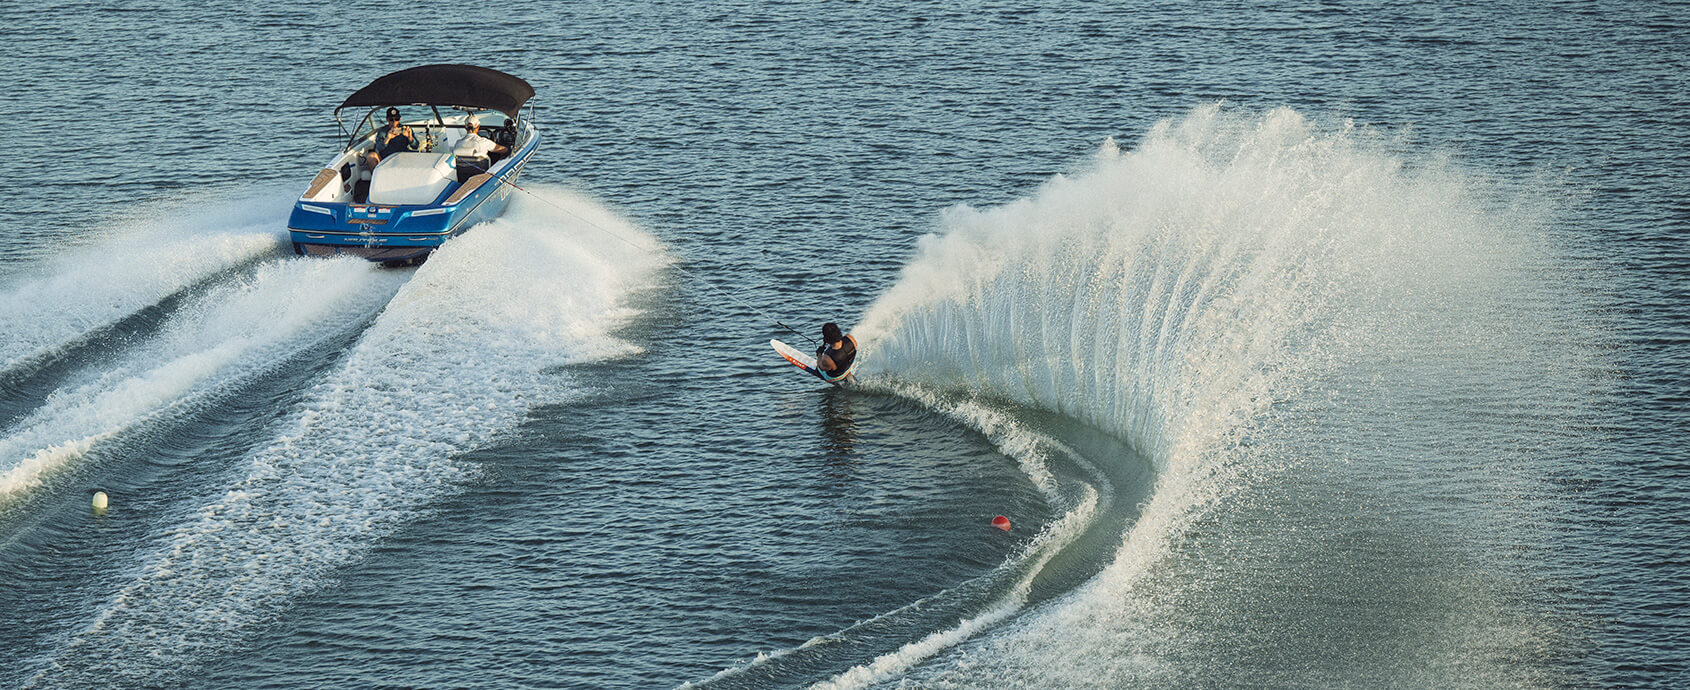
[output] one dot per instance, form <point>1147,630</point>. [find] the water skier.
<point>837,354</point>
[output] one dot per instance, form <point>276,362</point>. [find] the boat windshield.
<point>424,121</point>
<point>494,125</point>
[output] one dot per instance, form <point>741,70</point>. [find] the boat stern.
<point>370,231</point>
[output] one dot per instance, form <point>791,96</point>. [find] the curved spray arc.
<point>464,350</point>
<point>1169,296</point>
<point>1153,297</point>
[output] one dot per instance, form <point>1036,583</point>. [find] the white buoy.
<point>100,501</point>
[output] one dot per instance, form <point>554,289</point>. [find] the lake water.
<point>1316,345</point>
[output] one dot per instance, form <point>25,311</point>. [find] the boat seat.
<point>411,177</point>
<point>470,166</point>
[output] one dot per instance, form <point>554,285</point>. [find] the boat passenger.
<point>394,138</point>
<point>837,353</point>
<point>473,145</point>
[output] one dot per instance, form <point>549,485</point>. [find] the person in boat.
<point>837,353</point>
<point>473,145</point>
<point>391,139</point>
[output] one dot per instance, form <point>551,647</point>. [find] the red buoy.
<point>1001,522</point>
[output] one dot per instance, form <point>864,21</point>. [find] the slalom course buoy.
<point>1001,522</point>
<point>100,501</point>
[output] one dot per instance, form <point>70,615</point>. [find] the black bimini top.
<point>465,85</point>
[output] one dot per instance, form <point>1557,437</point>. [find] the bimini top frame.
<point>464,87</point>
<point>461,85</point>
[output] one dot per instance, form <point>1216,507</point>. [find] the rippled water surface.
<point>1327,344</point>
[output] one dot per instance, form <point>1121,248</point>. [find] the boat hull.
<point>403,233</point>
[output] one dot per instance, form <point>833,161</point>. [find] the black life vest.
<point>842,357</point>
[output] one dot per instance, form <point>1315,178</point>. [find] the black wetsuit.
<point>841,357</point>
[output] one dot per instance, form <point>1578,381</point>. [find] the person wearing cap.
<point>393,138</point>
<point>837,353</point>
<point>473,145</point>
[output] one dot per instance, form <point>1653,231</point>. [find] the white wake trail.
<point>129,267</point>
<point>232,333</point>
<point>460,356</point>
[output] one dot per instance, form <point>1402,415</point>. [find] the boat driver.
<point>473,145</point>
<point>837,353</point>
<point>391,139</point>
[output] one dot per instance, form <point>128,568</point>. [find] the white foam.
<point>132,265</point>
<point>231,333</point>
<point>457,359</point>
<point>1169,296</point>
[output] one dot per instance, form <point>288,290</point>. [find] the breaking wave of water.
<point>1216,297</point>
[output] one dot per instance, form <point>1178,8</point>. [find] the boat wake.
<point>58,302</point>
<point>230,334</point>
<point>1209,298</point>
<point>460,354</point>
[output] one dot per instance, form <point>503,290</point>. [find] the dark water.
<point>1319,345</point>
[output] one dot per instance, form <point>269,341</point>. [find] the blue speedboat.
<point>398,207</point>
